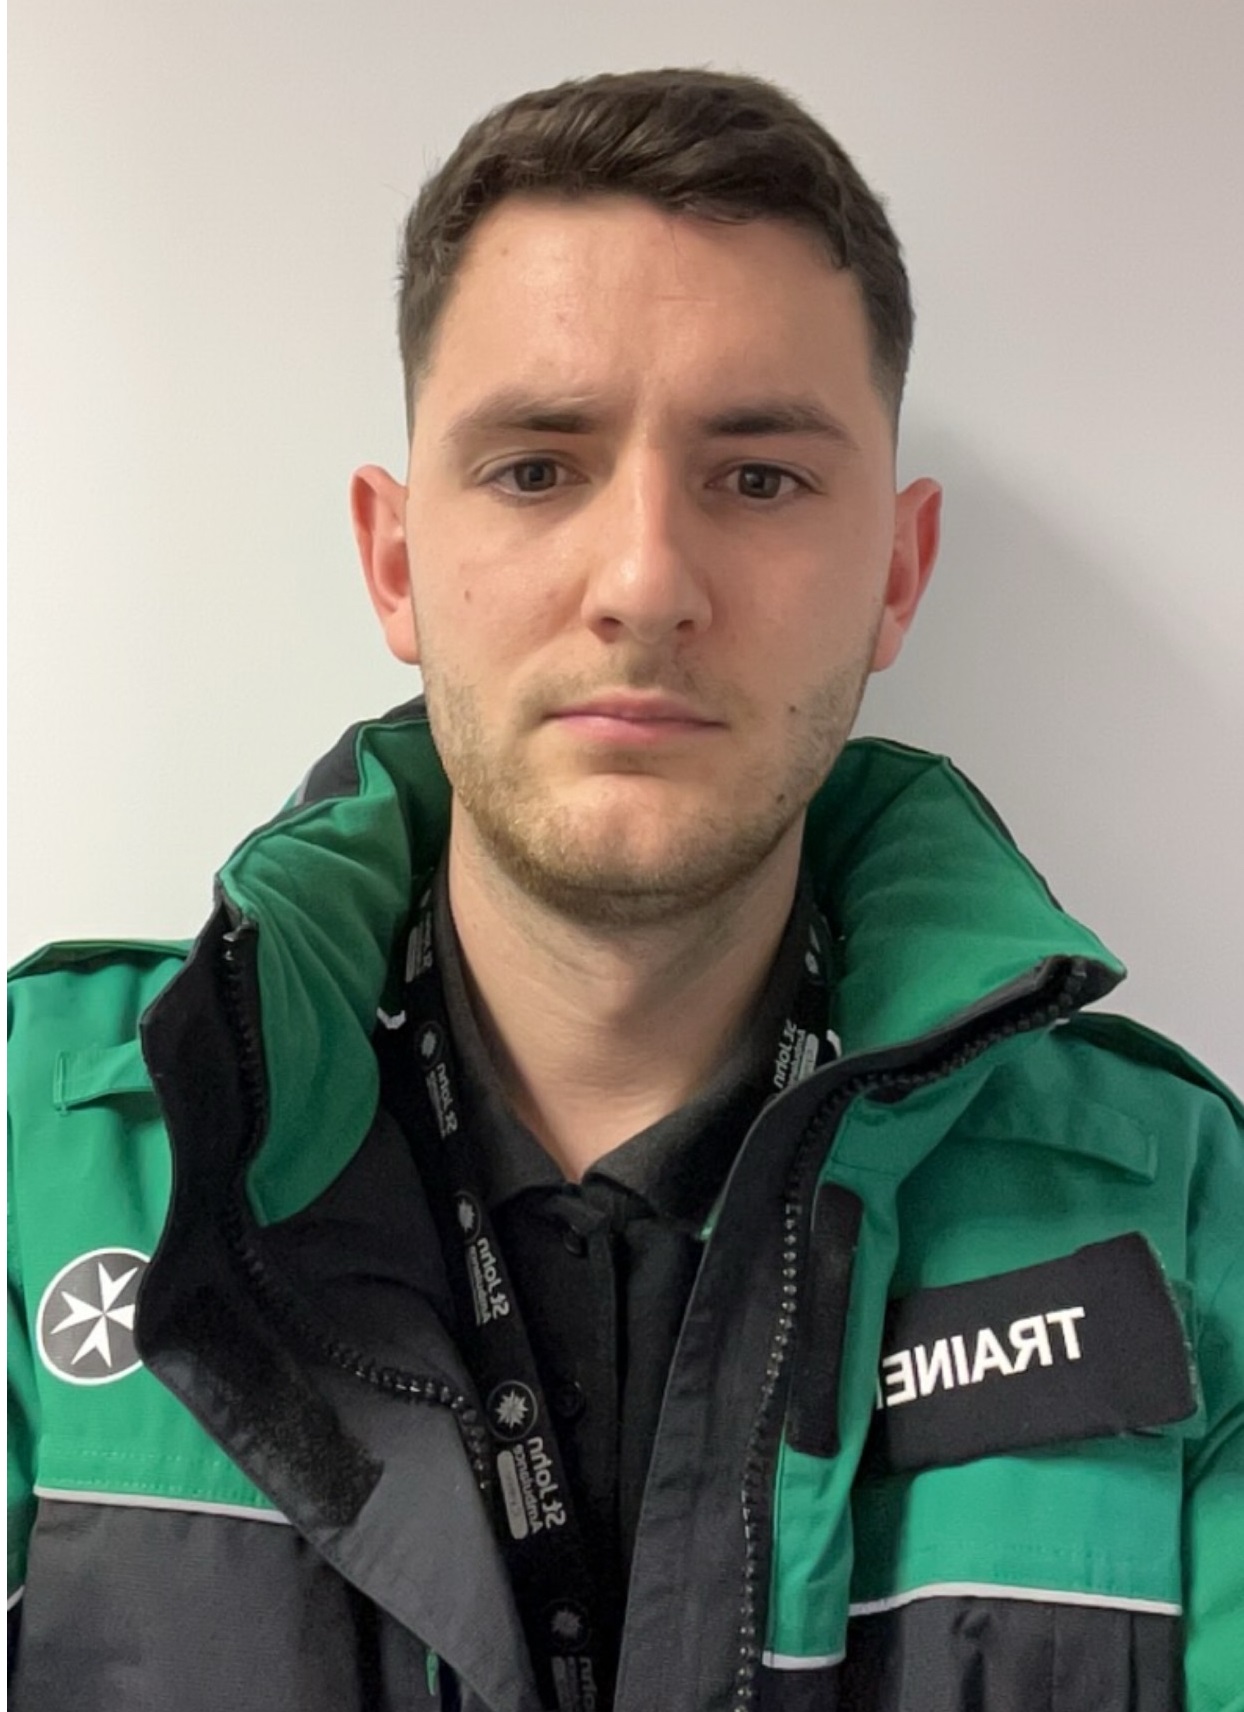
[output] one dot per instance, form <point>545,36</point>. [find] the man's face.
<point>652,544</point>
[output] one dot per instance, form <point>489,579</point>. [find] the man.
<point>622,1204</point>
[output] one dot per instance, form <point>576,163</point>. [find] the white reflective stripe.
<point>143,1501</point>
<point>996,1590</point>
<point>14,1597</point>
<point>792,1661</point>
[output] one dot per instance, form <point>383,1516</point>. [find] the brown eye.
<point>764,481</point>
<point>528,475</point>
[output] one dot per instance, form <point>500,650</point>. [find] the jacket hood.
<point>934,908</point>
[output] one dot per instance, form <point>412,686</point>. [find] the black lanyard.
<point>534,1513</point>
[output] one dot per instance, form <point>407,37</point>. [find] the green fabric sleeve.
<point>1214,1510</point>
<point>22,1419</point>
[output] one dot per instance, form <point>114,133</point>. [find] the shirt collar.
<point>676,1165</point>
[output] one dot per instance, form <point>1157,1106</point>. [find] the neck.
<point>597,1032</point>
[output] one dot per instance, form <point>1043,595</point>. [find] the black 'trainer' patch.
<point>1087,1346</point>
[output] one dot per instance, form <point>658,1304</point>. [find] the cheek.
<point>843,587</point>
<point>824,640</point>
<point>803,617</point>
<point>481,615</point>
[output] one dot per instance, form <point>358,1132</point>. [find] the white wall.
<point>205,200</point>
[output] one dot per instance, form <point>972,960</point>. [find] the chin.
<point>606,874</point>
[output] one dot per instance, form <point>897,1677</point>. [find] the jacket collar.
<point>937,913</point>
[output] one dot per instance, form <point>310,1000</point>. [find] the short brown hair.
<point>698,142</point>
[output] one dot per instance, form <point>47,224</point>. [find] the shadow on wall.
<point>1110,754</point>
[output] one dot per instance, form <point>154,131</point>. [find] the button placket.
<point>569,1400</point>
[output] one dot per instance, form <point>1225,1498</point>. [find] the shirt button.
<point>574,1240</point>
<point>569,1401</point>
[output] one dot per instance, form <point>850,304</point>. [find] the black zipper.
<point>394,1381</point>
<point>758,1462</point>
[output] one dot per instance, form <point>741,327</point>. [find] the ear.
<point>378,512</point>
<point>917,527</point>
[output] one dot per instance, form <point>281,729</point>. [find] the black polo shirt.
<point>603,1269</point>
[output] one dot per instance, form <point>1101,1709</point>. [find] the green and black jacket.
<point>245,1455</point>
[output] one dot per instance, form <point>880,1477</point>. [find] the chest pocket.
<point>99,1073</point>
<point>1047,1581</point>
<point>1097,1521</point>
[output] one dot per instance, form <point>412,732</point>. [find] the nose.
<point>644,579</point>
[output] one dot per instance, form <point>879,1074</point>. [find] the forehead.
<point>611,292</point>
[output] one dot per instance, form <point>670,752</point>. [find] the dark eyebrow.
<point>516,410</point>
<point>769,416</point>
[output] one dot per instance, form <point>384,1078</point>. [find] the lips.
<point>637,710</point>
<point>634,721</point>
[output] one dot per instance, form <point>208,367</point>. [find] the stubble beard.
<point>561,857</point>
